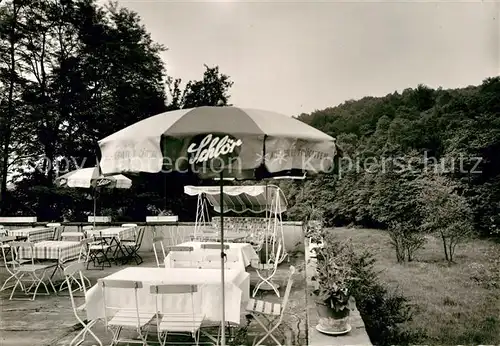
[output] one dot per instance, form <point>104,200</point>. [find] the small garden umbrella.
<point>92,178</point>
<point>219,142</point>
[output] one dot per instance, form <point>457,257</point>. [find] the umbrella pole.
<point>222,258</point>
<point>95,205</point>
<point>268,217</point>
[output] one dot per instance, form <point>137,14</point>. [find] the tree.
<point>212,90</point>
<point>12,131</point>
<point>457,129</point>
<point>446,212</point>
<point>393,203</point>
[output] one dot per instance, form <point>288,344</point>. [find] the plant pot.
<point>332,321</point>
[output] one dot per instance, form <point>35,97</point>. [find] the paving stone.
<point>49,320</point>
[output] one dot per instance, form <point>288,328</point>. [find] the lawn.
<point>453,303</point>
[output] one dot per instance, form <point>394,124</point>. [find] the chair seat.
<point>128,242</point>
<point>129,318</point>
<point>34,267</point>
<point>264,307</point>
<point>72,234</point>
<point>180,322</point>
<point>98,247</point>
<point>262,266</point>
<point>17,262</point>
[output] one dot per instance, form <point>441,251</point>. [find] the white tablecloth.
<point>245,252</point>
<point>208,299</point>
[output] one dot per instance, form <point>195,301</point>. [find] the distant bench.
<point>162,219</point>
<point>99,219</point>
<point>18,219</point>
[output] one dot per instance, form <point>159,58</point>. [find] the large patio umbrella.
<point>92,178</point>
<point>219,142</point>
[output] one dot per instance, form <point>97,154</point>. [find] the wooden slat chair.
<point>76,236</point>
<point>269,315</point>
<point>132,246</point>
<point>158,241</point>
<point>71,273</point>
<point>213,246</point>
<point>182,257</point>
<point>266,272</point>
<point>82,258</point>
<point>131,225</point>
<point>212,261</point>
<point>168,323</point>
<point>125,317</point>
<point>9,263</point>
<point>58,229</point>
<point>97,251</point>
<point>31,269</point>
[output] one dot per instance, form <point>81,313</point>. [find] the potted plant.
<point>333,282</point>
<point>312,225</point>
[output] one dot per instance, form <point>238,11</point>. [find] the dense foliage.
<point>71,73</point>
<point>396,145</point>
<point>384,312</point>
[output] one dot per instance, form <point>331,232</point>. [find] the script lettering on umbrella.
<point>211,147</point>
<point>103,182</point>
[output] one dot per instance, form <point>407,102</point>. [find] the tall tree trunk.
<point>444,247</point>
<point>7,133</point>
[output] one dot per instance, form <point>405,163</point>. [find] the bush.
<point>384,313</point>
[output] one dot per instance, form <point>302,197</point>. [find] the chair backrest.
<point>180,248</point>
<point>159,241</point>
<point>88,228</point>
<point>124,285</point>
<point>213,246</point>
<point>17,245</point>
<point>216,258</point>
<point>184,259</point>
<point>129,225</point>
<point>84,245</point>
<point>4,244</point>
<point>173,289</point>
<point>140,236</point>
<point>58,229</point>
<point>288,289</point>
<point>212,261</point>
<point>159,290</point>
<point>75,272</point>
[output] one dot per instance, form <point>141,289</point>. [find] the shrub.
<point>384,313</point>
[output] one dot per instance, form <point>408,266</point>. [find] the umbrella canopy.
<point>91,177</point>
<point>219,142</point>
<point>240,199</point>
<point>243,143</point>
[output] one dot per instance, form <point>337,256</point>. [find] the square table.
<point>62,251</point>
<point>33,234</point>
<point>116,234</point>
<point>208,299</point>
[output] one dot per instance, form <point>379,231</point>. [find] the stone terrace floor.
<point>49,320</point>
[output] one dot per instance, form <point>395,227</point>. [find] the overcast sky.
<point>294,57</point>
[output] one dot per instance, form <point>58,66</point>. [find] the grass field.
<point>453,303</point>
